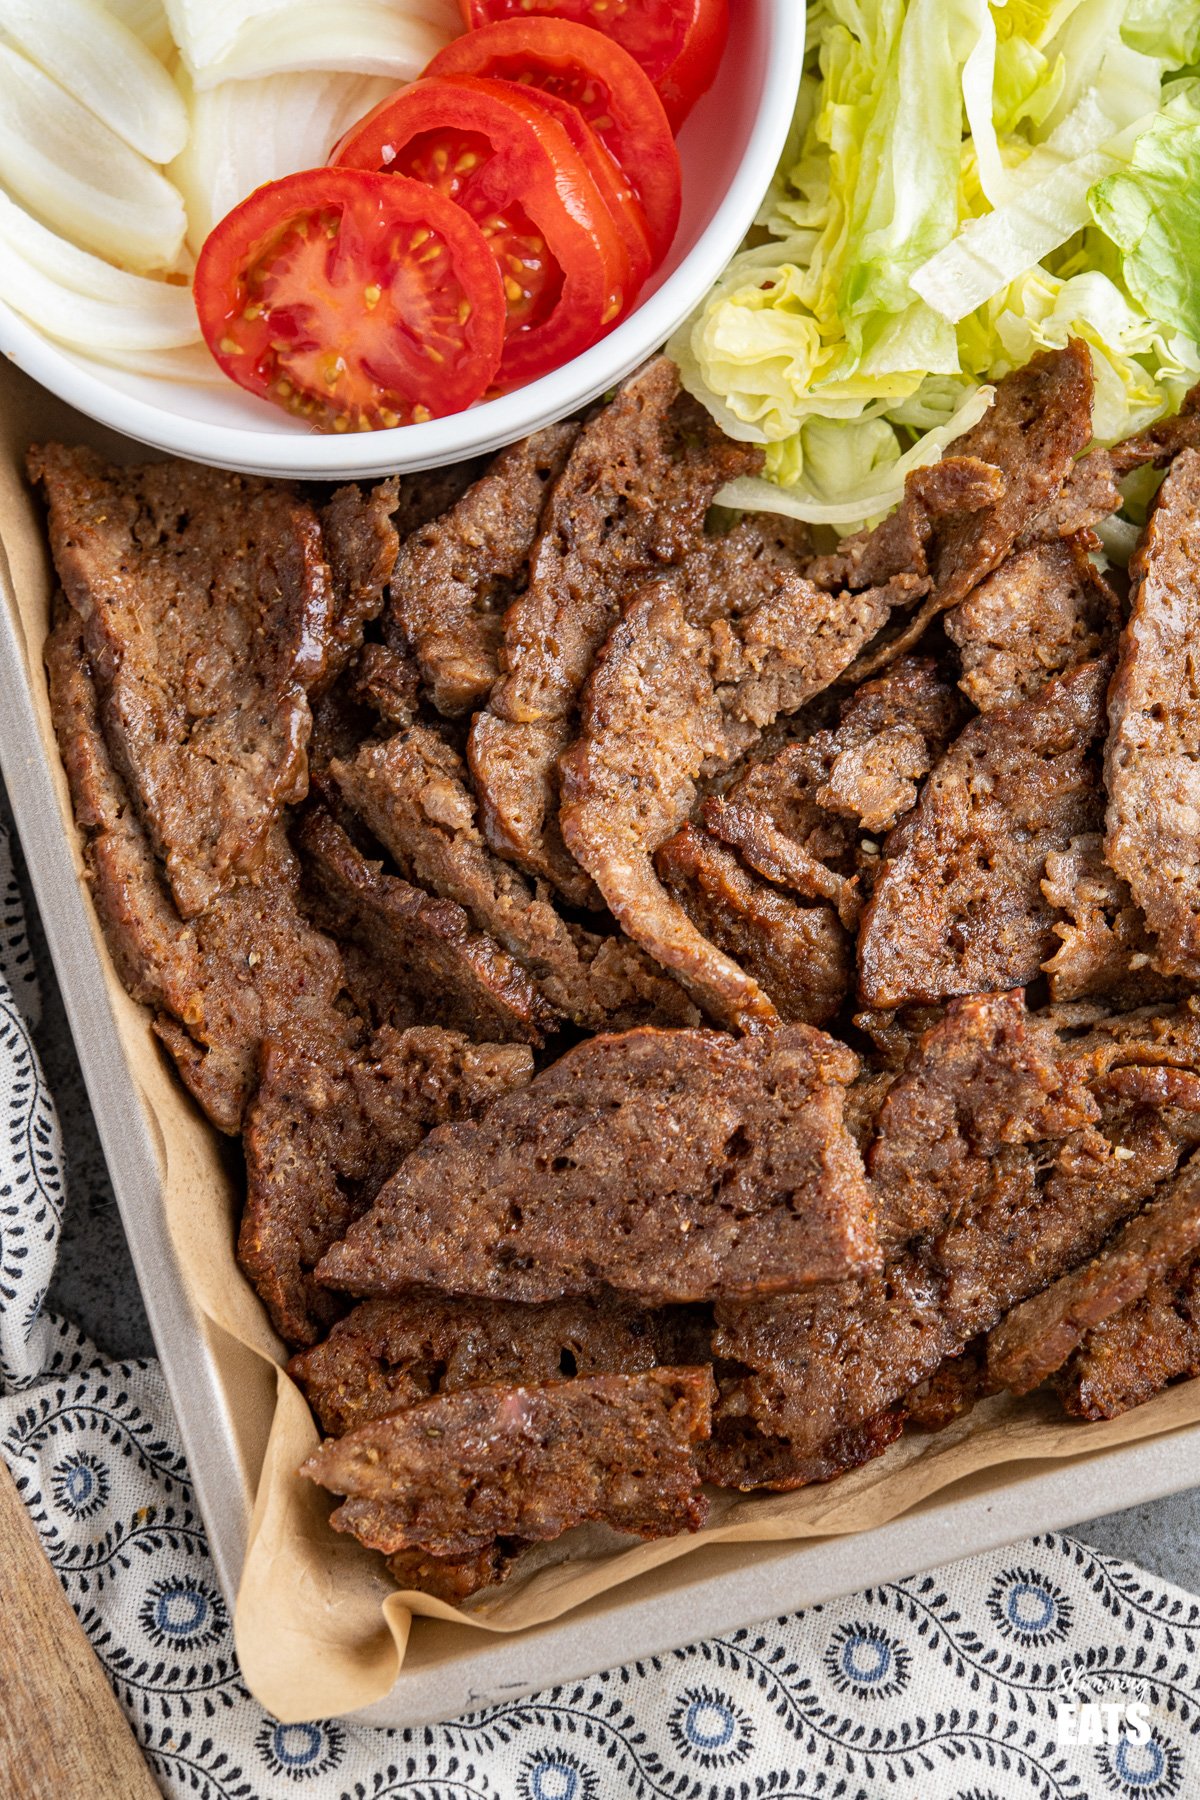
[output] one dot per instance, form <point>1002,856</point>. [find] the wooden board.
<point>62,1734</point>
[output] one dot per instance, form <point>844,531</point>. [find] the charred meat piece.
<point>324,1132</point>
<point>423,946</point>
<point>650,723</point>
<point>1012,1202</point>
<point>1037,1337</point>
<point>1152,762</point>
<point>1088,496</point>
<point>1044,610</point>
<point>631,502</point>
<point>730,572</point>
<point>1139,1351</point>
<point>899,546</point>
<point>800,956</point>
<point>672,1165</point>
<point>454,1578</point>
<point>221,983</point>
<point>389,682</point>
<point>361,542</point>
<point>1161,442</point>
<point>457,575</point>
<point>1039,422</point>
<point>823,792</point>
<point>206,606</point>
<point>392,1353</point>
<point>958,906</point>
<point>1104,949</point>
<point>453,1473</point>
<point>412,793</point>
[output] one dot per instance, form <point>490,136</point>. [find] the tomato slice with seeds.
<point>353,299</point>
<point>679,43</point>
<point>511,167</point>
<point>619,198</point>
<point>615,96</point>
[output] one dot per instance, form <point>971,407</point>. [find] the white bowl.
<point>729,148</point>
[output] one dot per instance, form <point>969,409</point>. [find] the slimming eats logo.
<point>1103,1712</point>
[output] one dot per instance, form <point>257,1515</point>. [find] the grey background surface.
<point>94,1284</point>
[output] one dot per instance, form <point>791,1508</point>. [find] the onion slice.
<point>109,70</point>
<point>80,177</point>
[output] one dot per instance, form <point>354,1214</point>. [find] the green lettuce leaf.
<point>1151,210</point>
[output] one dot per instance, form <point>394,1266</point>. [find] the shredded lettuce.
<point>1150,210</point>
<point>965,182</point>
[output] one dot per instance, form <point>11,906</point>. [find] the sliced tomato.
<point>512,168</point>
<point>352,299</point>
<point>623,204</point>
<point>679,43</point>
<point>615,96</point>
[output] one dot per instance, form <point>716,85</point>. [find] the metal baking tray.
<point>450,1668</point>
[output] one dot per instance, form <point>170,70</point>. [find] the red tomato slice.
<point>512,168</point>
<point>679,43</point>
<point>614,95</point>
<point>615,191</point>
<point>352,299</point>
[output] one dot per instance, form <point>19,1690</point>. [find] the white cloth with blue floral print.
<point>952,1686</point>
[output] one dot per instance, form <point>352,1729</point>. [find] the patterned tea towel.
<point>1042,1672</point>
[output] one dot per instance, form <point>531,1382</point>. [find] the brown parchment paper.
<point>320,1628</point>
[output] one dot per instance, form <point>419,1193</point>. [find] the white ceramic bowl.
<point>729,147</point>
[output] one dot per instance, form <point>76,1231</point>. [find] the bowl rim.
<point>498,422</point>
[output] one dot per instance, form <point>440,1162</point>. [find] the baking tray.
<point>451,1668</point>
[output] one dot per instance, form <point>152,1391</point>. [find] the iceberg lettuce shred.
<point>964,184</point>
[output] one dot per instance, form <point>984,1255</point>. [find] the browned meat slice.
<point>1161,442</point>
<point>428,493</point>
<point>799,955</point>
<point>1136,1354</point>
<point>1104,949</point>
<point>800,817</point>
<point>770,852</point>
<point>1087,497</point>
<point>958,906</point>
<point>454,1578</point>
<point>1044,610</point>
<point>674,1165</point>
<point>1021,1200</point>
<point>729,572</point>
<point>1037,1337</point>
<point>631,501</point>
<point>393,1353</point>
<point>412,793</point>
<point>220,983</point>
<point>205,602</point>
<point>423,946</point>
<point>361,542</point>
<point>457,575</point>
<point>977,1086</point>
<point>1152,763</point>
<point>1039,422</point>
<point>650,723</point>
<point>900,544</point>
<point>952,1390</point>
<point>389,682</point>
<point>324,1132</point>
<point>457,1471</point>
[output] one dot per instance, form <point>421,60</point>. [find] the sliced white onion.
<point>147,19</point>
<point>752,493</point>
<point>82,273</point>
<point>107,68</point>
<point>79,176</point>
<point>246,132</point>
<point>162,318</point>
<point>192,363</point>
<point>223,40</point>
